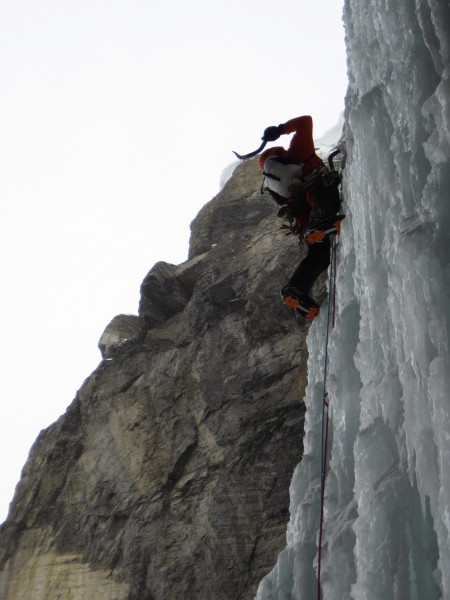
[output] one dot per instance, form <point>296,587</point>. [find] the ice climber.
<point>308,194</point>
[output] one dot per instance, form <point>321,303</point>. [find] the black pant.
<point>315,262</point>
<point>325,202</point>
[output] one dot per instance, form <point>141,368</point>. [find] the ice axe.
<point>251,154</point>
<point>335,152</point>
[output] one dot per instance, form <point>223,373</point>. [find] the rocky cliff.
<point>168,475</point>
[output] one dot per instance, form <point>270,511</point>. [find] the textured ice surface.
<point>387,508</point>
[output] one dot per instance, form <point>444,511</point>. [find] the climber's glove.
<point>272,133</point>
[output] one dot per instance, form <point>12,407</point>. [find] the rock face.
<point>168,476</point>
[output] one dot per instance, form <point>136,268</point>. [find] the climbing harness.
<point>331,318</point>
<point>323,228</point>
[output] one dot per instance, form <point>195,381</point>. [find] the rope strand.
<point>325,404</point>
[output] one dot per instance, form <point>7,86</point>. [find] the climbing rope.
<point>331,317</point>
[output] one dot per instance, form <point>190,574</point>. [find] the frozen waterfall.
<point>387,504</point>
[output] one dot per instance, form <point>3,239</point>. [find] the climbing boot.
<point>299,302</point>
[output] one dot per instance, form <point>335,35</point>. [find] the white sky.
<point>116,120</point>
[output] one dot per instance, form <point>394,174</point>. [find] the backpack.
<point>278,175</point>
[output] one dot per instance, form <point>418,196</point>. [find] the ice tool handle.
<point>330,158</point>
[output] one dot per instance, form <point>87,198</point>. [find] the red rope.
<point>334,244</point>
<point>325,409</point>
<point>322,500</point>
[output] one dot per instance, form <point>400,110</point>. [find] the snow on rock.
<point>329,140</point>
<point>387,507</point>
<point>227,173</point>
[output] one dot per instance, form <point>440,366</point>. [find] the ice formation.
<point>387,504</point>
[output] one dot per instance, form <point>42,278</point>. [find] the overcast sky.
<point>116,119</point>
